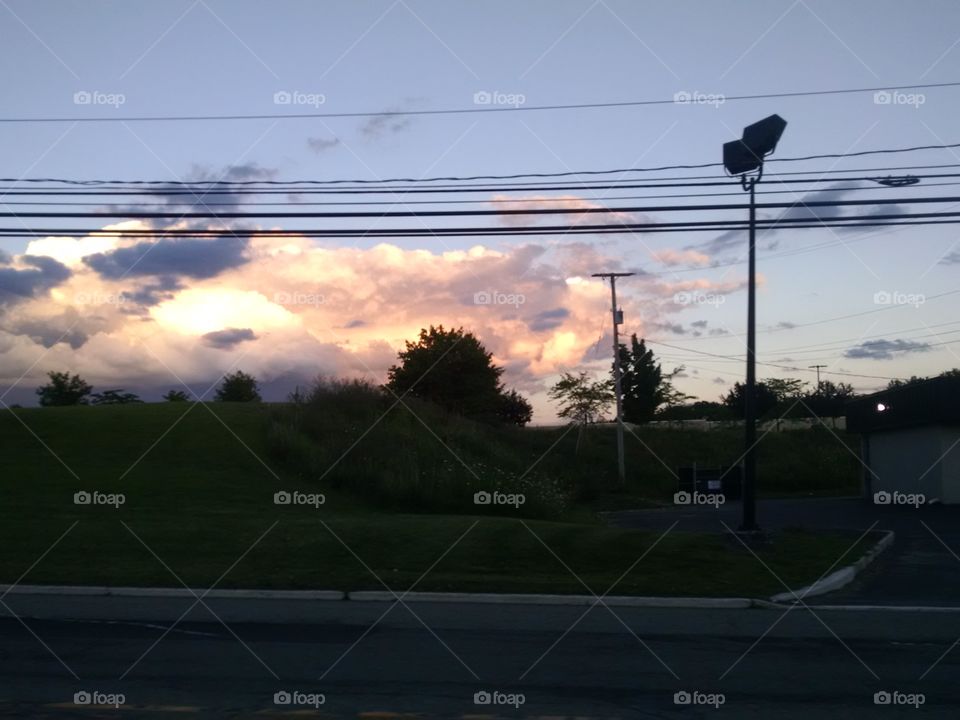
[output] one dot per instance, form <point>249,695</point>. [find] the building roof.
<point>930,402</point>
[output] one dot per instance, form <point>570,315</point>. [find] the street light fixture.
<point>744,158</point>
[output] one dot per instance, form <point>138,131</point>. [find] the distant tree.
<point>238,387</point>
<point>64,389</point>
<point>830,399</point>
<point>582,400</point>
<point>453,369</point>
<point>176,396</point>
<point>699,410</point>
<point>644,385</point>
<point>515,409</point>
<point>114,397</point>
<point>914,379</point>
<point>785,389</point>
<point>766,400</point>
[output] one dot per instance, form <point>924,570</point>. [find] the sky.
<point>867,304</point>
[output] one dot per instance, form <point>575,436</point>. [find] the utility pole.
<point>811,367</point>
<point>617,320</point>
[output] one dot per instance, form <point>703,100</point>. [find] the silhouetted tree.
<point>830,399</point>
<point>766,399</point>
<point>582,400</point>
<point>644,385</point>
<point>453,369</point>
<point>514,408</point>
<point>238,387</point>
<point>114,397</point>
<point>64,389</point>
<point>176,396</point>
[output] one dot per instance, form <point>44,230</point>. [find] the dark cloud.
<point>785,325</point>
<point>200,192</point>
<point>189,257</point>
<point>44,273</point>
<point>548,319</point>
<point>69,327</point>
<point>380,125</point>
<point>226,339</point>
<point>319,145</point>
<point>719,381</point>
<point>951,258</point>
<point>355,324</point>
<point>674,328</point>
<point>699,324</point>
<point>391,121</point>
<point>718,331</point>
<point>885,349</point>
<point>154,293</point>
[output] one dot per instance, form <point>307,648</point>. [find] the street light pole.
<point>749,523</point>
<point>743,158</point>
<point>617,319</point>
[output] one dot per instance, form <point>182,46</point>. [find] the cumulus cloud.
<point>36,275</point>
<point>295,308</point>
<point>885,349</point>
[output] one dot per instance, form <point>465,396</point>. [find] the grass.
<point>199,483</point>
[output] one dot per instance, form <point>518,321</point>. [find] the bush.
<point>409,455</point>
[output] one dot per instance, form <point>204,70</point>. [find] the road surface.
<point>383,660</point>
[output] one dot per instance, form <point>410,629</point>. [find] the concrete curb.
<point>837,579</point>
<point>533,599</point>
<point>194,593</point>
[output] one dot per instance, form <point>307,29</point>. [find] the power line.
<point>401,190</point>
<point>823,321</point>
<point>484,109</point>
<point>704,226</point>
<point>776,365</point>
<point>513,176</point>
<point>716,207</point>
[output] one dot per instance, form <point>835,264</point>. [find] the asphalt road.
<point>921,568</point>
<point>431,662</point>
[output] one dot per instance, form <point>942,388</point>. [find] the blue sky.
<point>210,57</point>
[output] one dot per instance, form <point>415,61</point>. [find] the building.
<point>910,440</point>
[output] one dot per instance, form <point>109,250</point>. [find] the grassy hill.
<point>199,483</point>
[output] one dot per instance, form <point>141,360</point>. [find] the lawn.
<point>199,484</point>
